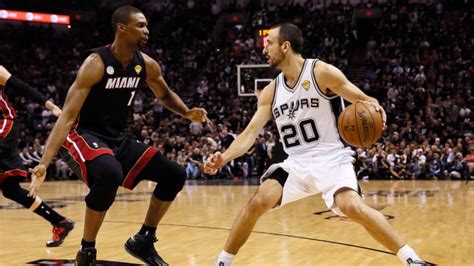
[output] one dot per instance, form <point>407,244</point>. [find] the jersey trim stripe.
<point>297,81</point>
<point>13,173</point>
<point>275,94</point>
<point>78,151</point>
<point>142,61</point>
<point>316,85</point>
<point>7,126</point>
<point>7,110</point>
<point>72,153</point>
<point>140,164</point>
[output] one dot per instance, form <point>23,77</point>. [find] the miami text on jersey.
<point>122,82</point>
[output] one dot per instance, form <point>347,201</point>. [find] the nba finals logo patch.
<point>138,69</point>
<point>306,84</point>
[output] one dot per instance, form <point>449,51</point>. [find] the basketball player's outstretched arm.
<point>89,74</point>
<point>170,99</point>
<point>331,78</point>
<point>16,86</point>
<point>246,139</point>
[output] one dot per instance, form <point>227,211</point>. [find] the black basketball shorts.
<point>85,146</point>
<point>10,162</point>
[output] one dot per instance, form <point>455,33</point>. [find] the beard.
<point>276,61</point>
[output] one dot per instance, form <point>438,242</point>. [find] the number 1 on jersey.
<point>132,94</point>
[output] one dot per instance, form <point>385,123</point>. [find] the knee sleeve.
<point>169,176</point>
<point>170,183</point>
<point>11,190</point>
<point>105,174</point>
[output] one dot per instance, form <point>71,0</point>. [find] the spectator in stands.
<point>194,164</point>
<point>469,160</point>
<point>26,158</point>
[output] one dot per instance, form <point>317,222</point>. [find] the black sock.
<point>49,214</point>
<point>87,244</point>
<point>147,231</point>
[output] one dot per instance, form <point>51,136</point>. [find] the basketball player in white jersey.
<point>303,100</point>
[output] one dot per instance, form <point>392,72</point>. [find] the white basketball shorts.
<point>310,176</point>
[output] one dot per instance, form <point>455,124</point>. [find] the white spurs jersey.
<point>306,118</point>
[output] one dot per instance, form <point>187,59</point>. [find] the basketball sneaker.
<point>142,248</point>
<point>60,232</point>
<point>86,257</point>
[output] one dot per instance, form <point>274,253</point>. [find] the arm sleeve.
<point>16,86</point>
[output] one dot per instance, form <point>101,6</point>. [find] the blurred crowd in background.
<point>416,59</point>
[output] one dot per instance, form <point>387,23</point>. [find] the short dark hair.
<point>291,33</point>
<point>122,15</point>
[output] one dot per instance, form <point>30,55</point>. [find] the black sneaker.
<point>60,232</point>
<point>86,257</point>
<point>142,248</point>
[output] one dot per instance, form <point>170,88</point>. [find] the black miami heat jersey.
<point>7,115</point>
<point>106,108</point>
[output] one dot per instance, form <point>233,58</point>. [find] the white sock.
<point>224,259</point>
<point>405,253</point>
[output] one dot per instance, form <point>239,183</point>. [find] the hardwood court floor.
<point>436,217</point>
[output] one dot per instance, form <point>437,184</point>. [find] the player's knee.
<point>8,192</point>
<point>12,191</point>
<point>11,194</point>
<point>258,204</point>
<point>101,198</point>
<point>352,208</point>
<point>349,203</point>
<point>104,187</point>
<point>170,184</point>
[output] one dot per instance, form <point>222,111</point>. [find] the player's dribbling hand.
<point>380,109</point>
<point>37,177</point>
<point>213,163</point>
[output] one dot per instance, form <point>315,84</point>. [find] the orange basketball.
<point>360,125</point>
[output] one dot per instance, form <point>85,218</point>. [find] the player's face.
<point>137,31</point>
<point>273,50</point>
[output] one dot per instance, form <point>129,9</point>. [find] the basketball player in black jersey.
<point>12,170</point>
<point>89,134</point>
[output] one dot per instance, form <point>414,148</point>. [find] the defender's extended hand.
<point>199,115</point>
<point>37,177</point>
